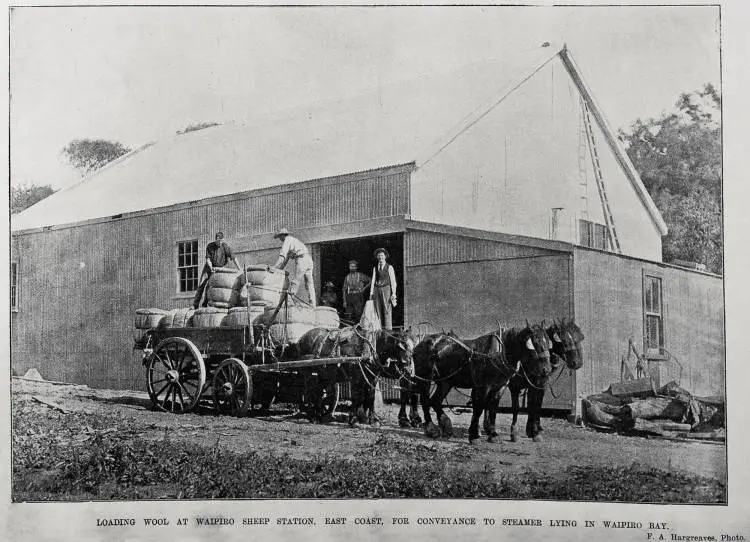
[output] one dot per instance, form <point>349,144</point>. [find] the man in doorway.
<point>383,288</point>
<point>293,249</point>
<point>218,254</point>
<point>353,294</point>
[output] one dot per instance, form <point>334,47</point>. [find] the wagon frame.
<point>184,364</point>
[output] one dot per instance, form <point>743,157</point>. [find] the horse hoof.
<point>416,421</point>
<point>474,441</point>
<point>446,426</point>
<point>432,431</point>
<point>492,439</point>
<point>537,438</point>
<point>404,423</point>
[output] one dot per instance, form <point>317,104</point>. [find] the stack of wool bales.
<point>154,318</point>
<point>264,284</point>
<point>221,295</point>
<point>233,301</point>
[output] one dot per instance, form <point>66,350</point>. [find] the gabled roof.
<point>399,123</point>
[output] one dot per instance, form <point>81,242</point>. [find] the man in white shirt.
<point>383,289</point>
<point>293,249</point>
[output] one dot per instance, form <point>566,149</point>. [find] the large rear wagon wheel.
<point>176,375</point>
<point>233,387</point>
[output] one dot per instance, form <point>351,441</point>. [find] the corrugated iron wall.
<point>609,309</point>
<point>79,286</point>
<point>466,284</point>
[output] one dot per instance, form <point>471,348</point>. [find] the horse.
<point>484,364</point>
<point>566,338</point>
<point>392,358</point>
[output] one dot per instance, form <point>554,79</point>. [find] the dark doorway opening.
<point>334,264</point>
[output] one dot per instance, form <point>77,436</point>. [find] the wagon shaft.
<point>298,364</point>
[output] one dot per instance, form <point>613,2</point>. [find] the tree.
<point>678,157</point>
<point>195,127</point>
<point>26,195</point>
<point>88,155</point>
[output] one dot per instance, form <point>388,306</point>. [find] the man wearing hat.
<point>293,249</point>
<point>383,289</point>
<point>218,254</point>
<point>353,294</point>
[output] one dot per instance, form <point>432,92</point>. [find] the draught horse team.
<point>427,370</point>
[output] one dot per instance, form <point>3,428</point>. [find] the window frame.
<point>178,268</point>
<point>658,352</point>
<point>14,286</point>
<point>597,235</point>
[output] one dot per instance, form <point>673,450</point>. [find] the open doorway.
<point>334,264</point>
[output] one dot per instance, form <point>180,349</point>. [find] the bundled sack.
<point>244,316</point>
<point>288,333</point>
<point>149,318</point>
<point>177,318</point>
<point>370,321</point>
<point>223,288</point>
<point>327,317</point>
<point>264,284</point>
<point>208,317</point>
<point>291,314</point>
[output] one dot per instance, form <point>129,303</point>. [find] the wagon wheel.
<point>320,397</point>
<point>233,387</point>
<point>176,375</point>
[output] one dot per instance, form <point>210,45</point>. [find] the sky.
<point>139,74</point>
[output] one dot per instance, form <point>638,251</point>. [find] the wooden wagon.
<point>189,365</point>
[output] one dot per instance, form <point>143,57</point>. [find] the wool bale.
<point>239,316</point>
<point>224,277</point>
<point>168,319</point>
<point>149,318</point>
<point>228,296</point>
<point>291,315</point>
<point>208,317</point>
<point>263,284</point>
<point>327,317</point>
<point>181,317</point>
<point>288,333</point>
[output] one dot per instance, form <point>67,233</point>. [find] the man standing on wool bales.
<point>218,254</point>
<point>293,249</point>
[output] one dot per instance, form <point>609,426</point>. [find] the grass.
<point>69,457</point>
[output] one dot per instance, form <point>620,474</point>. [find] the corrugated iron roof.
<point>403,122</point>
<point>392,124</point>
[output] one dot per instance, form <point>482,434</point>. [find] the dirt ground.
<point>284,432</point>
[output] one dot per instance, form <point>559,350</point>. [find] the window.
<point>593,235</point>
<point>653,315</point>
<point>14,286</point>
<point>187,265</point>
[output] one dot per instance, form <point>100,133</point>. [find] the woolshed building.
<point>500,191</point>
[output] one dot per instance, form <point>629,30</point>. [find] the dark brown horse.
<point>566,338</point>
<point>484,364</point>
<point>388,354</point>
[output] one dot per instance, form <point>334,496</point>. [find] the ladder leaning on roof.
<point>608,218</point>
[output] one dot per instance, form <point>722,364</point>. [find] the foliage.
<point>83,456</point>
<point>25,195</point>
<point>88,155</point>
<point>678,157</point>
<point>196,127</point>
